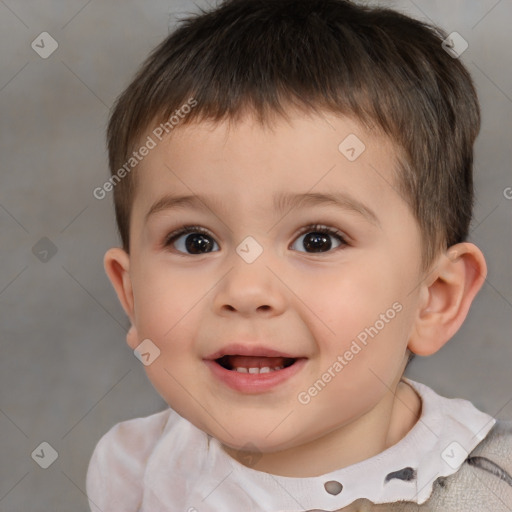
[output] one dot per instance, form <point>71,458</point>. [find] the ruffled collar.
<point>446,432</point>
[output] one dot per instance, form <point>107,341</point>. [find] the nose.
<point>249,289</point>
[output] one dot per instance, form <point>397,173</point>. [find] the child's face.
<point>307,296</point>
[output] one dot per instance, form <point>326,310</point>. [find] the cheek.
<point>363,311</point>
<point>174,387</point>
<point>342,302</point>
<point>167,311</point>
<point>165,302</point>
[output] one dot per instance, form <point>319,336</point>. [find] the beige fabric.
<point>483,488</point>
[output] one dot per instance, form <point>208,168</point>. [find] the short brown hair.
<point>374,64</point>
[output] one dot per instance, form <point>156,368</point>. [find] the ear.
<point>446,296</point>
<point>117,267</point>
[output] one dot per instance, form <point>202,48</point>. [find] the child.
<point>293,189</point>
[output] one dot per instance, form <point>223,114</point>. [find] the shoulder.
<point>494,454</point>
<point>498,441</point>
<point>117,465</point>
<point>484,481</point>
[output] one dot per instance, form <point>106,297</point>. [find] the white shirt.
<point>164,463</point>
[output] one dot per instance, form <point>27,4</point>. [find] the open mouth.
<point>254,369</point>
<point>254,364</point>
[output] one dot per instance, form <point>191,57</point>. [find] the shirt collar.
<point>446,432</point>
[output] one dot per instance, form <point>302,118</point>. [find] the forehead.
<point>245,165</point>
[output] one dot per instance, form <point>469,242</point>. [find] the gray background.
<point>66,375</point>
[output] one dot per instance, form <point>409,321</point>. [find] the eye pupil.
<point>197,243</point>
<point>317,242</point>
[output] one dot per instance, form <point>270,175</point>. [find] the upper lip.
<point>245,349</point>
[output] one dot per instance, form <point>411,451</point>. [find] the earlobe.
<point>132,338</point>
<point>117,266</point>
<point>457,277</point>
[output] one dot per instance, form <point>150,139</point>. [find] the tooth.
<point>265,369</point>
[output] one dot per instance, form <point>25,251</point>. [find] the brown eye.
<point>191,240</point>
<point>319,239</point>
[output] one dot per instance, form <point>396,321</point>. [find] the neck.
<point>380,428</point>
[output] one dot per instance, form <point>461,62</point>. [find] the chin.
<point>259,442</point>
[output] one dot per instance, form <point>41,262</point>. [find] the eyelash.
<point>185,230</point>
<point>313,228</point>
<point>320,228</point>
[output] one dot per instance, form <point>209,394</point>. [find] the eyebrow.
<point>282,202</point>
<point>340,200</point>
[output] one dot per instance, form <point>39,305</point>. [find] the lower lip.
<point>254,382</point>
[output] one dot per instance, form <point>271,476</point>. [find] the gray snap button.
<point>333,487</point>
